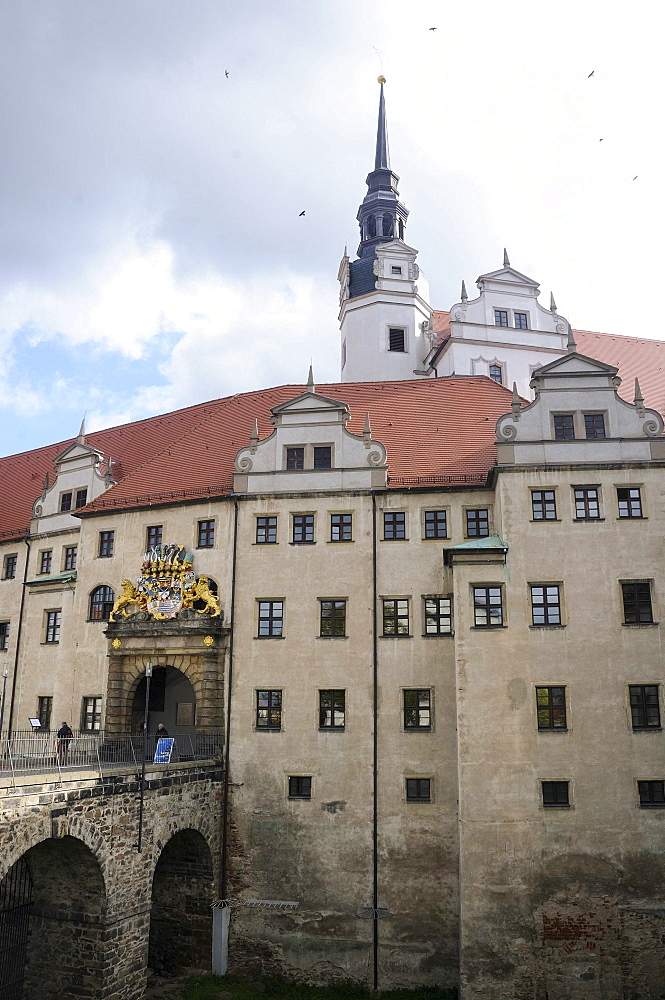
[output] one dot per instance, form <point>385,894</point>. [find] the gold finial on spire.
<point>381,79</point>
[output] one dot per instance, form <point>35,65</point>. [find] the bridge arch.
<point>182,894</point>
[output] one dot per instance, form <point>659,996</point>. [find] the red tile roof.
<point>437,431</point>
<point>635,357</point>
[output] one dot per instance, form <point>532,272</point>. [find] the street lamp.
<point>148,675</point>
<point>5,675</point>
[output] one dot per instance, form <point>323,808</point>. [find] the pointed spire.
<point>81,434</point>
<point>382,157</point>
<point>506,262</point>
<point>367,431</point>
<point>552,303</point>
<point>515,404</point>
<point>310,381</point>
<point>464,296</point>
<point>571,345</point>
<point>638,402</point>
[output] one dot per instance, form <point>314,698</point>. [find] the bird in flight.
<point>432,29</point>
<point>301,214</point>
<point>591,74</point>
<point>226,73</point>
<point>635,177</point>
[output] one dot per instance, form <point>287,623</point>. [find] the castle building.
<point>404,635</point>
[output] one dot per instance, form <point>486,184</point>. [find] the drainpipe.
<point>18,635</point>
<point>229,681</point>
<point>375,760</point>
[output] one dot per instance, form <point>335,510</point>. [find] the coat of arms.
<point>167,585</point>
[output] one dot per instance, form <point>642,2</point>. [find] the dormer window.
<point>396,339</point>
<point>594,425</point>
<point>564,427</point>
<point>501,317</point>
<point>521,321</point>
<point>323,457</point>
<point>81,498</point>
<point>295,458</point>
<point>496,373</point>
<point>65,502</point>
<point>395,269</point>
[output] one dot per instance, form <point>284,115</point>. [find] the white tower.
<point>385,315</point>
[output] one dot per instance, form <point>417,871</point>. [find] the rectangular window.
<point>630,501</point>
<point>271,619</point>
<point>303,529</point>
<point>106,544</point>
<point>637,603</point>
<point>496,373</point>
<point>396,339</point>
<point>396,617</point>
<point>9,569</point>
<point>418,790</point>
<point>478,523</point>
<point>644,706</point>
<point>487,606</point>
<point>587,507</point>
<point>266,530</point>
<point>500,317</point>
<point>652,793</point>
<point>543,505</point>
<point>438,616</point>
<point>153,535</point>
<point>417,708</point>
<point>322,457</point>
<point>555,793</point>
<point>551,707</point>
<point>70,557</point>
<point>564,427</point>
<point>268,709</point>
<point>52,631</point>
<point>521,321</point>
<point>394,525</point>
<point>45,561</point>
<point>4,635</point>
<point>81,498</point>
<point>65,502</point>
<point>436,524</point>
<point>341,527</point>
<point>395,269</point>
<point>333,618</point>
<point>545,604</point>
<point>594,425</point>
<point>295,458</point>
<point>332,711</point>
<point>300,786</point>
<point>44,708</point>
<point>206,535</point>
<point>91,716</point>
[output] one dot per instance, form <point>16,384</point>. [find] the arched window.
<point>371,227</point>
<point>401,229</point>
<point>388,229</point>
<point>496,373</point>
<point>101,604</point>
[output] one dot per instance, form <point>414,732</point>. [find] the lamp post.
<point>148,675</point>
<point>5,675</point>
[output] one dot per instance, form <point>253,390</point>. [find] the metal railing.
<point>25,753</point>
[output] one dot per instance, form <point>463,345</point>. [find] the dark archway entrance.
<point>15,907</point>
<point>181,915</point>
<point>57,895</point>
<point>172,702</point>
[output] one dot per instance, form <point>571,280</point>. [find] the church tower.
<point>385,316</point>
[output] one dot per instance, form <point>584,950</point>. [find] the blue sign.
<point>163,750</point>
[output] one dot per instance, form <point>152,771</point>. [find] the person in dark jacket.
<point>161,730</point>
<point>65,737</point>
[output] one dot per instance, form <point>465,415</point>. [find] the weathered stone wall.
<point>93,892</point>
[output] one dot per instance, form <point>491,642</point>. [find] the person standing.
<point>65,737</point>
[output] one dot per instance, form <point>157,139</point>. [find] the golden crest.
<point>208,640</point>
<point>116,644</point>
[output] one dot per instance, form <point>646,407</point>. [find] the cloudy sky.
<point>151,249</point>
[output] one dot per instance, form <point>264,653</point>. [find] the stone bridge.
<point>82,913</point>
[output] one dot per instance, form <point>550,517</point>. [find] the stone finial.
<point>515,404</point>
<point>310,381</point>
<point>464,296</point>
<point>254,436</point>
<point>108,475</point>
<point>571,345</point>
<point>506,262</point>
<point>552,303</point>
<point>367,431</point>
<point>638,402</point>
<point>81,434</point>
<point>45,485</point>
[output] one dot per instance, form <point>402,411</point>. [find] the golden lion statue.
<point>129,596</point>
<point>201,592</point>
